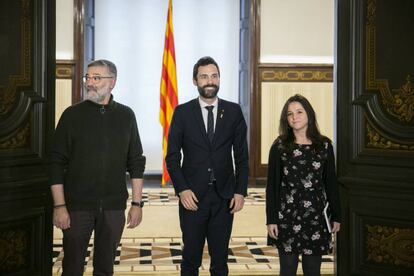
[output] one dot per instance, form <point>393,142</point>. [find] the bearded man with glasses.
<point>96,143</point>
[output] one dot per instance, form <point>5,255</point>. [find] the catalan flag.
<point>169,93</point>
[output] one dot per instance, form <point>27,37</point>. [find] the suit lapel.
<point>199,118</point>
<point>219,120</point>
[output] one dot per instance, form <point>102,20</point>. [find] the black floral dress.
<point>296,197</point>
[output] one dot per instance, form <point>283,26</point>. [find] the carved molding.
<point>376,140</point>
<point>403,105</point>
<point>8,94</point>
<point>390,245</point>
<point>18,139</point>
<point>399,102</point>
<point>14,249</point>
<point>294,74</point>
<point>65,69</point>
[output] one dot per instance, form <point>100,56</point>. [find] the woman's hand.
<point>336,227</point>
<point>272,230</point>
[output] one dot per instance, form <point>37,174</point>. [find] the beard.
<point>208,91</point>
<point>96,95</point>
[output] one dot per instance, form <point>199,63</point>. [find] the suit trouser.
<point>108,226</point>
<point>212,221</point>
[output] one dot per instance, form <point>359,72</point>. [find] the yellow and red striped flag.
<point>169,93</point>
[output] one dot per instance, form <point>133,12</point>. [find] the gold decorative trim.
<point>64,71</point>
<point>399,103</point>
<point>375,140</point>
<point>8,94</point>
<point>288,74</point>
<point>402,106</point>
<point>14,249</point>
<point>390,245</point>
<point>19,139</point>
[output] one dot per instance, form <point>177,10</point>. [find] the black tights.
<point>311,265</point>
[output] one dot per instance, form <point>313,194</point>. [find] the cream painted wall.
<point>64,29</point>
<point>297,31</point>
<point>64,51</point>
<point>63,97</point>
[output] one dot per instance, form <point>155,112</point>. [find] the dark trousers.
<point>212,221</point>
<point>108,227</point>
<point>311,264</point>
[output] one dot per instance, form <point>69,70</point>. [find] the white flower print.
<point>299,215</point>
<point>309,176</point>
<point>316,236</point>
<point>316,165</point>
<point>306,204</point>
<point>297,228</point>
<point>307,251</point>
<point>297,153</point>
<point>326,145</point>
<point>306,183</point>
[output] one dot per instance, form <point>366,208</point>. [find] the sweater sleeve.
<point>273,185</point>
<point>331,185</point>
<point>136,159</point>
<point>60,150</point>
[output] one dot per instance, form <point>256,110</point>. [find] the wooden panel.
<point>27,35</point>
<point>375,137</point>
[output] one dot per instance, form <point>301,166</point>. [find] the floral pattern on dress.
<point>302,228</point>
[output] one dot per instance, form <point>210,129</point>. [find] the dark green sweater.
<point>94,147</point>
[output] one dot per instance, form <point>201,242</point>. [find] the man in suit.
<point>207,130</point>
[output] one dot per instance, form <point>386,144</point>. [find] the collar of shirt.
<point>203,104</point>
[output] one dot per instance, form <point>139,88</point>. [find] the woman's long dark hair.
<point>286,133</point>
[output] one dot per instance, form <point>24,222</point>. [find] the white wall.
<point>131,34</point>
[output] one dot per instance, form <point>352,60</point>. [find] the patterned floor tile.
<point>162,256</point>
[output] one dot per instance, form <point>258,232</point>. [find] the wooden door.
<point>27,58</point>
<point>375,103</point>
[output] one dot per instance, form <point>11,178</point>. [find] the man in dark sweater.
<point>96,143</point>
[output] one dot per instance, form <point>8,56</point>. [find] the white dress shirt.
<point>204,111</point>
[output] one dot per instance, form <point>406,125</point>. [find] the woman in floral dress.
<point>301,180</point>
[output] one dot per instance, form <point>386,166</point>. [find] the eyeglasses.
<point>95,79</point>
<point>206,77</point>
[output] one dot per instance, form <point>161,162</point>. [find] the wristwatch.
<point>139,204</point>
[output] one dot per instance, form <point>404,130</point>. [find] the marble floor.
<point>154,247</point>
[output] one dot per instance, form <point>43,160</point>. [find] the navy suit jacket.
<point>188,139</point>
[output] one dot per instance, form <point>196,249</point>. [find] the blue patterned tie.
<point>210,123</point>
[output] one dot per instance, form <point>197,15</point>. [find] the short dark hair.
<point>105,63</point>
<point>203,62</point>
